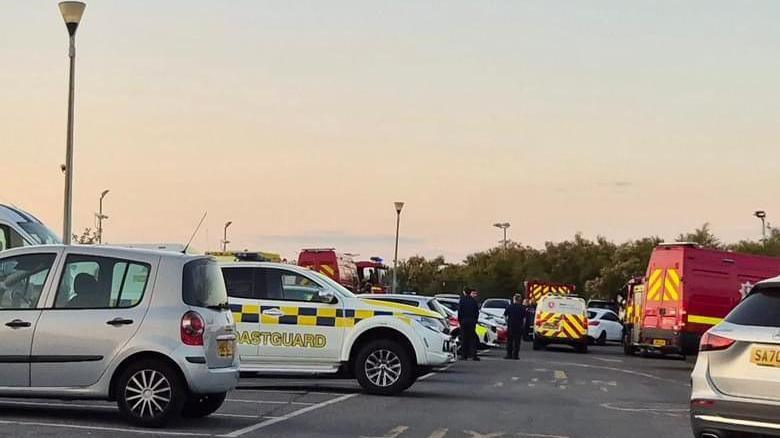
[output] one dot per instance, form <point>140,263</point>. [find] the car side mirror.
<point>326,296</point>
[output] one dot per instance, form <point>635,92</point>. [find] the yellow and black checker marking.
<point>664,284</point>
<point>538,291</point>
<point>307,316</point>
<point>559,325</point>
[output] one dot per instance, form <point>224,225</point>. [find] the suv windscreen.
<point>203,285</point>
<point>41,234</point>
<point>761,308</point>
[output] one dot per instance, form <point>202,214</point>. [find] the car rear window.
<point>591,314</point>
<point>203,285</point>
<point>761,308</point>
<point>496,304</point>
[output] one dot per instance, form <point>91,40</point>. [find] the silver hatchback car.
<point>148,329</point>
<point>736,381</point>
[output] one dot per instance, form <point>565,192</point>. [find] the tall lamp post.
<point>100,217</point>
<point>71,13</point>
<point>761,214</point>
<point>225,240</point>
<point>503,226</point>
<point>398,207</point>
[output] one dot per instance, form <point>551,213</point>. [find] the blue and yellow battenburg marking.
<point>308,316</point>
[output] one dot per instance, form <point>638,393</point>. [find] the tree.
<point>703,236</point>
<point>88,237</point>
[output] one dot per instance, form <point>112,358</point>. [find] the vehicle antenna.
<point>184,251</point>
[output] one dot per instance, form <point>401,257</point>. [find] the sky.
<point>303,121</point>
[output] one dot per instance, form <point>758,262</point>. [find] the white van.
<point>19,228</point>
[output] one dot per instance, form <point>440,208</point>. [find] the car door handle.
<point>18,323</point>
<point>116,322</point>
<point>273,312</point>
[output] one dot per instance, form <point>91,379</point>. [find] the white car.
<point>293,320</point>
<point>604,325</point>
<point>495,306</point>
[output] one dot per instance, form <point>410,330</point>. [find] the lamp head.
<point>71,12</point>
<point>398,207</point>
<point>761,214</point>
<point>228,223</point>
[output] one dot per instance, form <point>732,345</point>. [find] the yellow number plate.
<point>225,348</point>
<point>659,342</point>
<point>767,357</point>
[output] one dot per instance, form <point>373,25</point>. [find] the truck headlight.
<point>429,323</point>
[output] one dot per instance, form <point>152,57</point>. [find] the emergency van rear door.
<point>663,309</point>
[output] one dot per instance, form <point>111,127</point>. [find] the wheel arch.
<point>375,333</point>
<point>142,355</point>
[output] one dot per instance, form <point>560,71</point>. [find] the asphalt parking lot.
<point>546,394</point>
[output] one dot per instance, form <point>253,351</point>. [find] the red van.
<point>687,290</point>
<point>340,267</point>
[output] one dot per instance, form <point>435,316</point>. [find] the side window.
<point>239,282</point>
<point>90,282</point>
<point>610,317</point>
<point>289,286</point>
<point>10,238</point>
<point>22,279</point>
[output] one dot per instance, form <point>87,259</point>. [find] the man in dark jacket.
<point>468,315</point>
<point>515,315</point>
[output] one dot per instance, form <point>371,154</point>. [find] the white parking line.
<point>286,417</point>
<point>433,373</point>
<point>268,402</point>
<point>101,428</point>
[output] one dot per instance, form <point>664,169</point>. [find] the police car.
<point>292,320</point>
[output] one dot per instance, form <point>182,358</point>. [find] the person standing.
<point>515,315</point>
<point>468,314</point>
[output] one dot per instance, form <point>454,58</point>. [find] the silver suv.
<point>148,329</point>
<point>736,381</point>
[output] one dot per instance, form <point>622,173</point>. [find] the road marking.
<point>620,370</point>
<point>540,370</point>
<point>438,433</point>
<point>672,412</point>
<point>515,379</point>
<point>394,432</point>
<point>562,387</point>
<point>433,373</point>
<point>604,389</point>
<point>268,402</point>
<point>534,379</point>
<point>498,384</point>
<point>531,385</point>
<point>101,428</point>
<point>483,435</point>
<point>286,417</point>
<point>609,360</point>
<point>560,375</point>
<point>540,435</point>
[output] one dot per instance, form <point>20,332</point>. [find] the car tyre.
<point>150,393</point>
<point>628,349</point>
<point>203,405</point>
<point>602,339</point>
<point>384,367</point>
<point>582,347</point>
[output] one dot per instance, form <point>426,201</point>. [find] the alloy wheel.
<point>383,368</point>
<point>148,393</point>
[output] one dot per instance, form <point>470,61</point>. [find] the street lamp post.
<point>225,240</point>
<point>761,214</point>
<point>100,217</point>
<point>503,226</point>
<point>71,12</point>
<point>398,207</point>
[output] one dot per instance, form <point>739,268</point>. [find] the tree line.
<point>598,268</point>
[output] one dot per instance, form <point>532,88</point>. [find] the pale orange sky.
<point>303,121</point>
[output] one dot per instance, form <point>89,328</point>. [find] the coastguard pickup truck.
<point>293,320</point>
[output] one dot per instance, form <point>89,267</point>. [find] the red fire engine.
<point>688,289</point>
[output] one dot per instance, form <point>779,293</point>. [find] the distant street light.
<point>761,214</point>
<point>100,217</point>
<point>503,226</point>
<point>398,207</point>
<point>225,240</point>
<point>71,13</point>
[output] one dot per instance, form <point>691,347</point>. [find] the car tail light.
<point>593,323</point>
<point>192,328</point>
<point>702,403</point>
<point>710,342</point>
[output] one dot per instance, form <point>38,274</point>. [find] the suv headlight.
<point>434,324</point>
